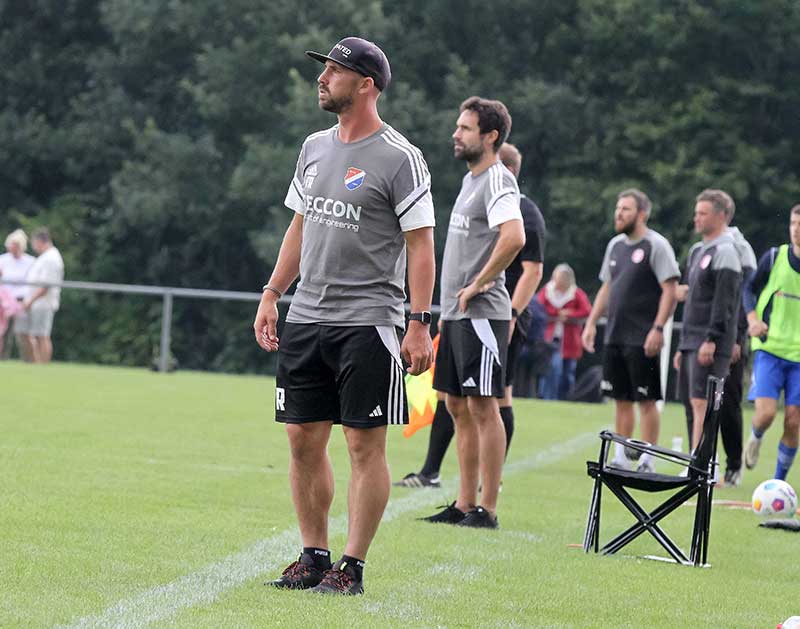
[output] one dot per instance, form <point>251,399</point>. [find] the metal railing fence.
<point>167,294</point>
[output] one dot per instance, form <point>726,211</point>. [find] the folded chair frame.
<point>698,481</point>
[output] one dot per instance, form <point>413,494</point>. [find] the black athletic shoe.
<point>299,575</point>
<point>339,581</point>
<point>479,518</point>
<point>448,515</point>
<point>418,480</point>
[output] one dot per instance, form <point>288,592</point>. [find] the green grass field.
<point>129,498</point>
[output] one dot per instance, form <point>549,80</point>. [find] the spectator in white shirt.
<point>42,302</point>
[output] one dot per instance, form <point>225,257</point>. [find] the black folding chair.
<point>697,481</point>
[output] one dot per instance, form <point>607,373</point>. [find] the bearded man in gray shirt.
<point>485,234</point>
<point>639,274</point>
<point>362,208</point>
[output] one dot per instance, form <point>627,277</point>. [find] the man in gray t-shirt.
<point>639,275</point>
<point>362,214</point>
<point>485,234</point>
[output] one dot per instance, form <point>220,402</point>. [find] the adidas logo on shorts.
<point>469,382</point>
<point>377,412</point>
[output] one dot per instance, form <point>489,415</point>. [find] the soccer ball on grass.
<point>774,498</point>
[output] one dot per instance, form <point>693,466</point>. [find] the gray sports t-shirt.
<point>484,203</point>
<point>635,270</point>
<point>357,199</point>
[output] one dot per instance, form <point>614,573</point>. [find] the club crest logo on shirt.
<point>309,176</point>
<point>705,261</point>
<point>354,178</point>
<point>637,256</point>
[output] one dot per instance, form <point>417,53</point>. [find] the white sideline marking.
<point>266,555</point>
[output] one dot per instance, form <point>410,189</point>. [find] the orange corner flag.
<point>421,397</point>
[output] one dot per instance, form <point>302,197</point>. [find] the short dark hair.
<point>720,200</point>
<point>42,234</point>
<point>643,203</point>
<point>492,116</point>
<point>795,209</point>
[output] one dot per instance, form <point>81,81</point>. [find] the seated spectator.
<point>567,306</point>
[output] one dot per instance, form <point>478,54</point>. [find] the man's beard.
<point>627,228</point>
<point>470,154</point>
<point>336,105</point>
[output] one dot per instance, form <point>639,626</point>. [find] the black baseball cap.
<point>359,55</point>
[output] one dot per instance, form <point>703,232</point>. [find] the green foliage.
<point>157,139</point>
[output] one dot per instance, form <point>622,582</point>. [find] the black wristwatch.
<point>422,317</point>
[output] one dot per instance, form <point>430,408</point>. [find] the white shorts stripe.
<point>483,330</point>
<point>482,376</point>
<point>392,402</point>
<point>489,371</point>
<point>401,395</point>
<point>390,396</point>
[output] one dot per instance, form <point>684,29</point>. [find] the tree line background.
<point>157,138</point>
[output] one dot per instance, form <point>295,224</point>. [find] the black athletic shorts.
<point>630,375</point>
<point>471,360</point>
<point>693,377</point>
<point>349,375</point>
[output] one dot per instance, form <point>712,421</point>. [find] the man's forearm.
<point>509,243</point>
<point>749,294</point>
<point>37,294</point>
<point>287,267</point>
<point>666,303</point>
<point>421,268</point>
<point>600,305</point>
<point>526,285</point>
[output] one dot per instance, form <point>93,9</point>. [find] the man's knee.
<point>648,408</point>
<point>483,408</point>
<point>456,406</point>
<point>766,408</point>
<point>791,420</point>
<point>308,442</point>
<point>366,445</point>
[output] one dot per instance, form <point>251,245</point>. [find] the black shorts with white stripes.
<point>471,360</point>
<point>349,375</point>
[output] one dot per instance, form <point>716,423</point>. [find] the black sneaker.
<point>448,515</point>
<point>418,480</point>
<point>339,580</point>
<point>299,575</point>
<point>479,518</point>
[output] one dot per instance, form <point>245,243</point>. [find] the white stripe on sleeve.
<point>505,208</point>
<point>294,197</point>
